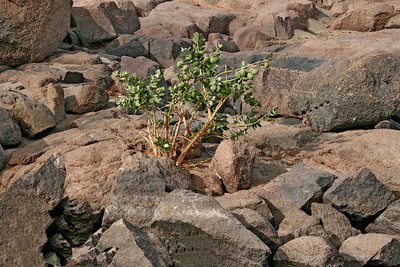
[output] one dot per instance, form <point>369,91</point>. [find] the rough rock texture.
<point>245,199</point>
<point>32,30</point>
<point>233,162</point>
<point>187,20</point>
<point>3,158</point>
<point>296,189</point>
<point>248,38</point>
<point>134,247</point>
<point>349,192</point>
<point>388,222</point>
<point>82,99</point>
<point>141,66</point>
<point>103,22</point>
<point>354,91</point>
<point>190,223</point>
<point>10,133</point>
<point>33,116</point>
<point>308,251</point>
<point>351,150</point>
<point>52,95</point>
<point>364,16</point>
<point>39,191</point>
<point>272,87</point>
<point>141,183</point>
<point>334,222</point>
<point>371,249</point>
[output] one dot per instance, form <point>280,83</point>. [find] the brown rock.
<point>371,249</point>
<point>10,132</point>
<point>83,99</point>
<point>388,222</point>
<point>364,16</point>
<point>233,162</point>
<point>308,251</point>
<point>249,38</point>
<point>31,31</point>
<point>52,95</point>
<point>142,67</point>
<point>334,222</point>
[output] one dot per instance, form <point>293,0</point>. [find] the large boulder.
<point>349,192</point>
<point>24,213</point>
<point>191,223</point>
<point>102,22</point>
<point>82,99</point>
<point>355,91</point>
<point>233,162</point>
<point>32,30</point>
<point>364,16</point>
<point>10,132</point>
<point>388,222</point>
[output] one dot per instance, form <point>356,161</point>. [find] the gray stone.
<point>388,222</point>
<point>24,213</point>
<point>191,223</point>
<point>60,246</point>
<point>371,250</point>
<point>3,158</point>
<point>353,91</point>
<point>136,47</point>
<point>134,247</point>
<point>141,66</point>
<point>33,116</point>
<point>334,223</point>
<point>233,162</point>
<point>140,184</point>
<point>308,251</point>
<point>349,192</point>
<point>10,132</point>
<point>82,99</point>
<point>32,30</point>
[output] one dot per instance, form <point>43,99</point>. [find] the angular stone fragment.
<point>349,193</point>
<point>233,162</point>
<point>388,222</point>
<point>83,99</point>
<point>52,95</point>
<point>308,251</point>
<point>371,250</point>
<point>24,213</point>
<point>191,223</point>
<point>334,222</point>
<point>10,132</point>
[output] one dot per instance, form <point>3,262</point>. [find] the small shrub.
<point>200,87</point>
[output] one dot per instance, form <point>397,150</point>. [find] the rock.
<point>134,246</point>
<point>388,222</point>
<point>334,222</point>
<point>364,16</point>
<point>233,162</point>
<point>297,223</point>
<point>166,50</point>
<point>3,159</point>
<point>75,220</point>
<point>249,38</point>
<point>73,77</point>
<point>10,133</point>
<point>343,96</point>
<point>52,95</point>
<point>272,87</point>
<point>388,124</point>
<point>308,251</point>
<point>371,249</point>
<point>60,247</point>
<point>142,67</point>
<point>261,227</point>
<point>187,20</point>
<point>103,22</point>
<point>82,99</point>
<point>246,200</point>
<point>349,192</point>
<point>87,253</point>
<point>32,30</point>
<point>235,5</point>
<point>144,7</point>
<point>76,58</point>
<point>141,183</point>
<point>296,189</point>
<point>24,213</point>
<point>135,47</point>
<point>34,117</point>
<point>190,223</point>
